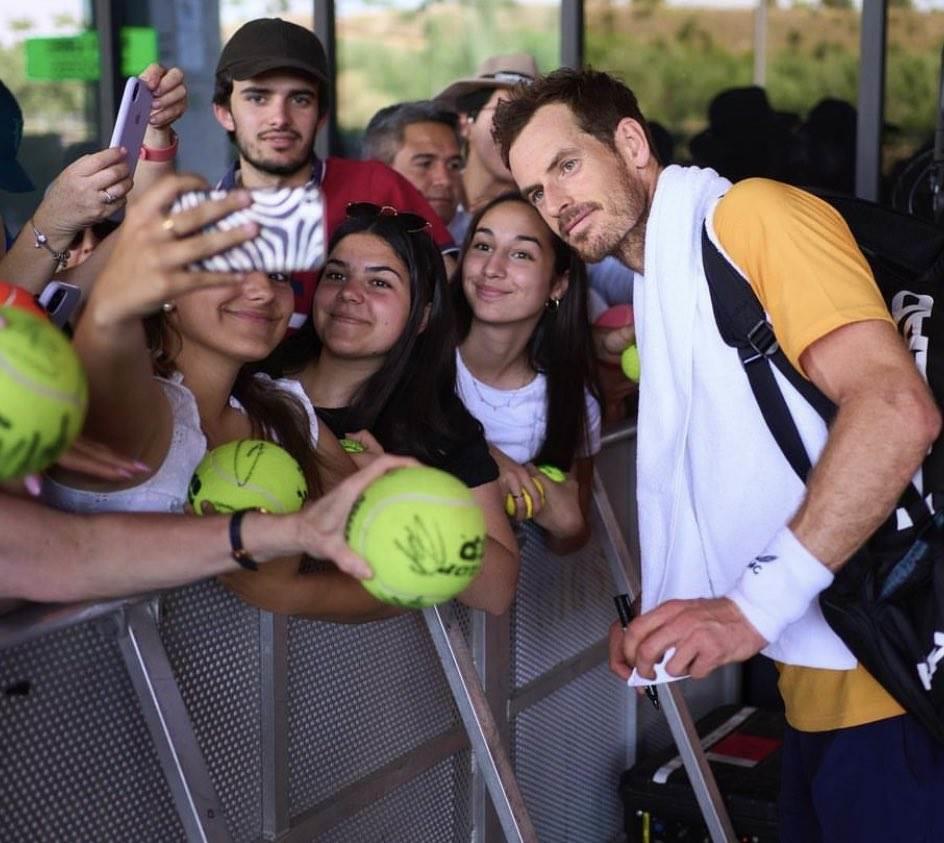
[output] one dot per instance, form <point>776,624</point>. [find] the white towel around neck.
<point>712,486</point>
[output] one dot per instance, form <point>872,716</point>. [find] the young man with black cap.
<point>271,96</point>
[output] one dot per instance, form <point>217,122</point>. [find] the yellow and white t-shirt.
<point>811,277</point>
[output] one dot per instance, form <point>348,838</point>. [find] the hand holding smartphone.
<point>132,120</point>
<point>291,234</point>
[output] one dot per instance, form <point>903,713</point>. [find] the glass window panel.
<point>395,50</point>
<point>234,13</point>
<point>59,115</point>
<point>912,79</point>
<point>678,56</point>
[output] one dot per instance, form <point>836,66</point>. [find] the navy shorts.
<point>881,782</point>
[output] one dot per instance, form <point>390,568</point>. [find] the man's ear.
<point>632,143</point>
<point>321,121</point>
<point>465,124</point>
<point>224,117</point>
<point>559,287</point>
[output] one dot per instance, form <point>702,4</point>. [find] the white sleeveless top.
<point>515,420</point>
<point>166,489</point>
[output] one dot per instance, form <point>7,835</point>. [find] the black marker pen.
<point>624,610</point>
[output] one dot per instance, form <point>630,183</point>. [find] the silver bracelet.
<point>42,242</point>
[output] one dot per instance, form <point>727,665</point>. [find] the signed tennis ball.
<point>13,296</point>
<point>421,532</point>
<point>43,393</point>
<point>248,474</point>
<point>629,363</point>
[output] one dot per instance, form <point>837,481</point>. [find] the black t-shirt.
<point>469,460</point>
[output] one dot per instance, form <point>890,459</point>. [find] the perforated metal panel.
<point>433,808</point>
<point>569,750</point>
<point>212,641</point>
<point>78,762</point>
<point>358,697</point>
<point>563,605</point>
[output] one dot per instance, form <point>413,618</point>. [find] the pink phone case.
<point>132,120</point>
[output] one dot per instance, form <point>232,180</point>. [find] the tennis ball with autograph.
<point>422,533</point>
<point>248,474</point>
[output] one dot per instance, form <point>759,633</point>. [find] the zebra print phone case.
<point>291,230</point>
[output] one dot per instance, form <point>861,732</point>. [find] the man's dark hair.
<point>598,100</point>
<point>384,133</point>
<point>223,90</point>
<point>473,102</point>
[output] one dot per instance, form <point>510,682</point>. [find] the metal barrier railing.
<point>189,715</point>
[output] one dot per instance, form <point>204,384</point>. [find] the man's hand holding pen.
<point>617,659</point>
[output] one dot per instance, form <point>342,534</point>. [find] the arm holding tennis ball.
<point>494,588</point>
<point>49,555</point>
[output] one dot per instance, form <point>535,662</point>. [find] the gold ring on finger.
<point>168,225</point>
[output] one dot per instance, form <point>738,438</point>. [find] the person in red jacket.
<point>271,97</point>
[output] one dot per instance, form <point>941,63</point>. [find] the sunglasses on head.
<point>411,223</point>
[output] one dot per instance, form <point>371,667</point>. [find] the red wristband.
<point>168,153</point>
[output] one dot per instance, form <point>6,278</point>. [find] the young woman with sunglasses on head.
<point>377,361</point>
<point>525,363</point>
<point>167,372</point>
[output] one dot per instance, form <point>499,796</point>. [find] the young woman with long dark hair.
<point>525,362</point>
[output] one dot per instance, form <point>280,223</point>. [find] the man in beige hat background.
<point>474,99</point>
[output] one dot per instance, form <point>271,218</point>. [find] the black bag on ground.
<point>743,745</point>
<point>887,602</point>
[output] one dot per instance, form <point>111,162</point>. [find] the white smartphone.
<point>132,120</point>
<point>291,235</point>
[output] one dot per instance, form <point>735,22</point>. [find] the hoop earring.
<point>553,304</point>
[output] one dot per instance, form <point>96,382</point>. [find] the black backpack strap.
<point>743,324</point>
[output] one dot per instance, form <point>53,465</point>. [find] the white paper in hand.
<point>662,675</point>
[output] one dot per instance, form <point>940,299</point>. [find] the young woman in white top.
<point>168,375</point>
<point>525,364</point>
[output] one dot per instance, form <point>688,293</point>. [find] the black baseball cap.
<point>13,178</point>
<point>268,44</point>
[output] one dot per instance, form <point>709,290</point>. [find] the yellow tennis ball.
<point>629,363</point>
<point>423,534</point>
<point>552,472</point>
<point>248,474</point>
<point>43,393</point>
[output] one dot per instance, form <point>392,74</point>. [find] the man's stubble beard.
<point>628,214</point>
<point>288,168</point>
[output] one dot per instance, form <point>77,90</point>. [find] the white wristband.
<point>779,585</point>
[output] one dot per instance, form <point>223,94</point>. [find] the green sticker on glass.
<point>76,57</point>
<point>138,49</point>
<point>63,58</point>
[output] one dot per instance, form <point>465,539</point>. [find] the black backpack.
<point>887,602</point>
